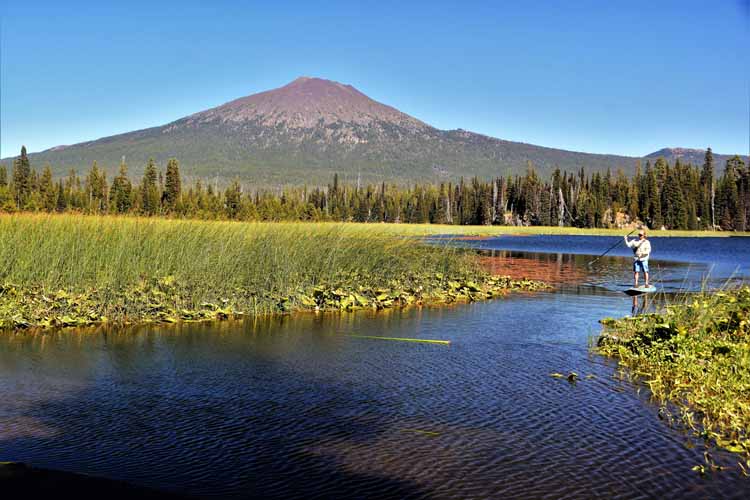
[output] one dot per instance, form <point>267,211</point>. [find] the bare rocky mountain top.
<point>308,102</point>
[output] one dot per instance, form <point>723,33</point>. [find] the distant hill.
<point>694,156</point>
<point>306,131</point>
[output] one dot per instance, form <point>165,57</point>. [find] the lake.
<point>295,407</point>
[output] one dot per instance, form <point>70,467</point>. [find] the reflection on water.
<point>641,304</point>
<point>294,407</point>
<point>551,268</point>
<point>677,264</point>
<point>20,426</point>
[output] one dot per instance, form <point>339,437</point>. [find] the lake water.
<point>676,264</point>
<point>294,407</point>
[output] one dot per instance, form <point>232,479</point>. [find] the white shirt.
<point>641,249</point>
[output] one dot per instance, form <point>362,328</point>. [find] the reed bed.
<point>72,251</point>
<point>128,267</point>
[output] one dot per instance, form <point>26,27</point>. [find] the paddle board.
<point>640,290</point>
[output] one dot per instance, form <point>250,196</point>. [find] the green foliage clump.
<point>695,356</point>
<point>164,300</point>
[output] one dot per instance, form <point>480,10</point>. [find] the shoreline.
<point>467,232</point>
<point>160,301</point>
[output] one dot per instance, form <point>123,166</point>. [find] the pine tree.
<point>673,202</point>
<point>333,198</point>
<point>442,210</point>
<point>706,208</point>
<point>692,217</point>
<point>61,202</point>
<point>546,204</point>
<point>728,198</point>
<point>47,190</point>
<point>743,192</point>
<point>232,199</point>
<point>120,196</point>
<point>736,194</point>
<point>654,216</point>
<point>96,189</point>
<point>362,205</point>
<point>644,200</point>
<point>22,178</point>
<point>634,197</point>
<point>3,176</point>
<point>172,186</point>
<point>149,190</point>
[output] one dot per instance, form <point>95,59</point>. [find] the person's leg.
<point>635,273</point>
<point>644,265</point>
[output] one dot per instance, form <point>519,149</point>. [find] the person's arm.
<point>628,242</point>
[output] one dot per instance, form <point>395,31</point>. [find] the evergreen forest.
<point>660,195</point>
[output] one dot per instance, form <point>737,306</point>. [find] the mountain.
<point>694,156</point>
<point>310,129</point>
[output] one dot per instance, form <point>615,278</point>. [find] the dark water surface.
<point>293,407</point>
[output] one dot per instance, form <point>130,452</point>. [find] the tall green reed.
<point>68,251</point>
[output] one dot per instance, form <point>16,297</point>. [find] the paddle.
<point>613,246</point>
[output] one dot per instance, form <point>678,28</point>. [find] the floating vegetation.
<point>571,377</point>
<point>165,300</point>
<point>696,357</point>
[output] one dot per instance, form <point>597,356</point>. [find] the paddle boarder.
<point>641,252</point>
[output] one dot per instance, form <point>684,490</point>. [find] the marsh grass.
<point>77,251</point>
<point>67,269</point>
<point>695,355</point>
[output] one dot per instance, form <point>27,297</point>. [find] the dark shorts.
<point>640,265</point>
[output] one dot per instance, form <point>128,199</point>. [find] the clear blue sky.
<point>606,77</point>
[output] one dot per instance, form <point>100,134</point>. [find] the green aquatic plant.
<point>166,300</point>
<point>61,271</point>
<point>696,357</point>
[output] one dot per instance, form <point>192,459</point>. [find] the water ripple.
<point>292,408</point>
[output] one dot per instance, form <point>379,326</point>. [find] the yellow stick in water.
<point>427,341</point>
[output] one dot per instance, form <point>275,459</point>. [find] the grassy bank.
<point>65,270</point>
<point>696,356</point>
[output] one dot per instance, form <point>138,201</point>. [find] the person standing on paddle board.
<point>641,252</point>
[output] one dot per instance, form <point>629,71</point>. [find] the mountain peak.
<point>311,128</point>
<point>301,80</point>
<point>677,152</point>
<point>307,102</point>
<point>689,155</point>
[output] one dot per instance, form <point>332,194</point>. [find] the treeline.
<point>674,196</point>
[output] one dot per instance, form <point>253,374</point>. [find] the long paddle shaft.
<point>610,248</point>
